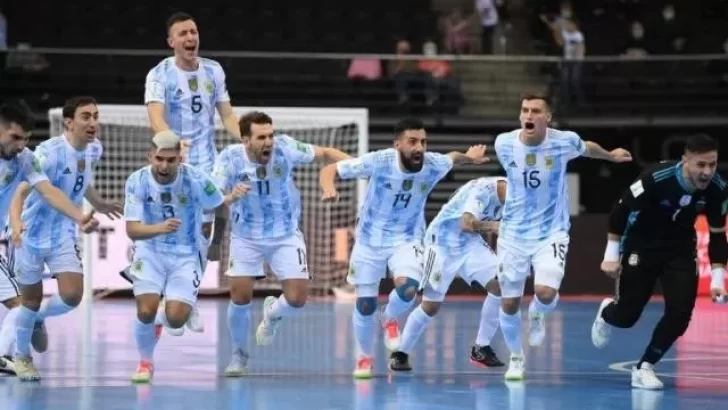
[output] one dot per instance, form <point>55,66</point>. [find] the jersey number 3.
<point>531,179</point>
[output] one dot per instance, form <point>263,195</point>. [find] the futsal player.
<point>257,176</point>
<point>534,230</point>
<point>43,236</point>
<point>17,165</point>
<point>454,245</point>
<point>162,203</point>
<point>390,228</point>
<point>182,93</point>
<point>651,239</point>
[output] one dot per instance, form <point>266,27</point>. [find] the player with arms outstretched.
<point>17,164</point>
<point>652,239</point>
<point>455,245</point>
<point>43,236</point>
<point>390,228</point>
<point>257,176</point>
<point>162,216</point>
<point>182,93</point>
<point>534,230</point>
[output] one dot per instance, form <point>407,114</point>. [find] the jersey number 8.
<point>196,104</point>
<point>531,179</point>
<point>78,186</point>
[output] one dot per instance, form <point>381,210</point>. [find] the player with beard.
<point>43,236</point>
<point>257,176</point>
<point>17,165</point>
<point>652,239</point>
<point>390,228</point>
<point>182,94</point>
<point>534,230</point>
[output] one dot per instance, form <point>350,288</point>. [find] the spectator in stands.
<point>457,33</point>
<point>489,21</point>
<point>437,73</point>
<point>403,72</point>
<point>669,32</point>
<point>571,40</point>
<point>636,45</point>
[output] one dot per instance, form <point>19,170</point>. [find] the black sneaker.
<point>399,362</point>
<point>7,366</point>
<point>125,274</point>
<point>484,356</point>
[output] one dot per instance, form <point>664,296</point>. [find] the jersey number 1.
<point>530,179</point>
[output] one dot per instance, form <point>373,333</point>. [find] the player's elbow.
<point>134,230</point>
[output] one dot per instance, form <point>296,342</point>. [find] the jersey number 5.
<point>530,179</point>
<point>196,104</point>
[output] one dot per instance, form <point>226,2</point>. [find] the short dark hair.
<point>406,125</point>
<point>700,144</point>
<point>178,17</point>
<point>536,95</point>
<point>253,117</point>
<point>73,103</point>
<point>17,112</point>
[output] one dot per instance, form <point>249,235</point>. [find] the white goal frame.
<point>283,117</point>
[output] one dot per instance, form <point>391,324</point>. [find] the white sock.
<point>238,321</point>
<point>536,306</point>
<point>364,329</point>
<point>281,308</point>
<point>416,324</point>
<point>7,331</point>
<point>511,328</point>
<point>54,306</point>
<point>24,323</point>
<point>146,340</point>
<point>396,306</point>
<point>488,320</point>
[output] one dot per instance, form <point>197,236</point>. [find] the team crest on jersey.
<point>166,197</point>
<point>278,170</point>
<point>36,165</point>
<point>530,159</point>
<point>192,82</point>
<point>8,178</point>
<point>182,200</point>
<point>137,266</point>
<point>407,184</point>
<point>81,164</point>
<point>700,205</point>
<point>209,87</point>
<point>424,187</point>
<point>685,200</point>
<point>549,161</point>
<point>261,172</point>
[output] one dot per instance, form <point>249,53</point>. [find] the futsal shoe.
<point>25,369</point>
<point>268,327</point>
<point>7,366</point>
<point>39,338</point>
<point>144,372</point>
<point>516,368</point>
<point>484,356</point>
<point>364,367</point>
<point>536,328</point>
<point>644,377</point>
<point>601,330</point>
<point>194,322</point>
<point>399,362</point>
<point>392,335</point>
<point>238,364</point>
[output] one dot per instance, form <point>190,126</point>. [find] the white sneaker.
<point>195,323</point>
<point>238,364</point>
<point>268,327</point>
<point>645,378</point>
<point>536,328</point>
<point>601,330</point>
<point>7,365</point>
<point>516,368</point>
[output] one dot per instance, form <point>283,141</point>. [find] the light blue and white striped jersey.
<point>478,197</point>
<point>69,170</point>
<point>272,206</point>
<point>537,200</point>
<point>393,212</point>
<point>190,99</point>
<point>23,167</point>
<point>150,203</point>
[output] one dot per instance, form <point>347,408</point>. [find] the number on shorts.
<point>302,258</point>
<point>167,211</point>
<point>79,184</point>
<point>418,250</point>
<point>559,251</point>
<point>402,200</point>
<point>196,104</point>
<point>78,251</point>
<point>196,280</point>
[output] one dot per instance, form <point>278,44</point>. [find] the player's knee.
<point>177,313</point>
<point>366,305</point>
<point>493,287</point>
<point>207,229</point>
<point>510,306</point>
<point>72,298</point>
<point>12,303</point>
<point>407,288</point>
<point>430,308</point>
<point>146,314</point>
<point>545,294</point>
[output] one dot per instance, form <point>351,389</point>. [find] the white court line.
<point>626,367</point>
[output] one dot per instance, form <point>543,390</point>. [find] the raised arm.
<point>474,155</point>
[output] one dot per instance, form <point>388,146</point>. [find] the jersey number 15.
<point>531,179</point>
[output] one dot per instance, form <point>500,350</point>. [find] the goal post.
<point>327,227</point>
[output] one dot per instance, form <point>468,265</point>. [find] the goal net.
<point>125,135</point>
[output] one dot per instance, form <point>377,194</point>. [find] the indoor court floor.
<point>92,355</point>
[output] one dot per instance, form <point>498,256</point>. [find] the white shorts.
<point>475,263</point>
<point>177,277</point>
<point>368,264</point>
<point>29,266</point>
<point>286,257</point>
<point>8,286</point>
<point>547,258</point>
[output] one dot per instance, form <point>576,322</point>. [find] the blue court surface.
<point>92,357</point>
